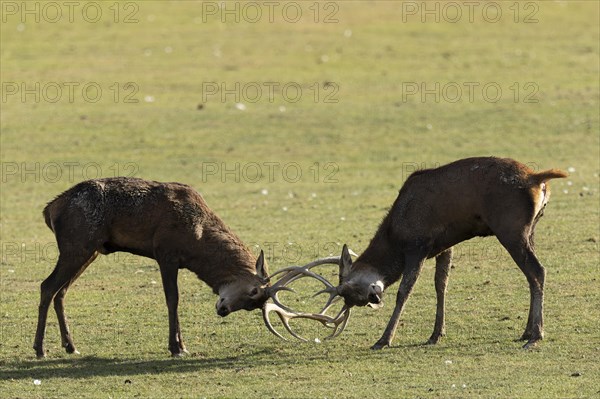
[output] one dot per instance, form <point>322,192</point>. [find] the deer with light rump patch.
<point>439,208</point>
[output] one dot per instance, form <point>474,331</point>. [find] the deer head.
<point>360,284</point>
<point>248,293</point>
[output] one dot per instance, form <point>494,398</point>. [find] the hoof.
<point>532,343</point>
<point>39,353</point>
<point>71,350</point>
<point>380,345</point>
<point>179,354</point>
<point>435,338</point>
<point>526,336</point>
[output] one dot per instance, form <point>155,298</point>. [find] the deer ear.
<point>345,264</point>
<point>262,271</point>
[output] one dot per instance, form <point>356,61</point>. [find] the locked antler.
<point>285,313</point>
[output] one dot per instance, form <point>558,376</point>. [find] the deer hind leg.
<point>524,256</point>
<point>65,333</point>
<point>169,272</point>
<point>442,269</point>
<point>67,268</point>
<point>412,268</point>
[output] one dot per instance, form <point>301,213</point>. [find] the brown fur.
<point>169,222</point>
<point>439,208</point>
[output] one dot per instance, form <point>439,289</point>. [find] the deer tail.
<point>541,177</point>
<point>47,216</point>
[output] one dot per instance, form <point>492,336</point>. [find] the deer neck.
<point>222,258</point>
<point>383,258</point>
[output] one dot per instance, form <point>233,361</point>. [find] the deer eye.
<point>254,291</point>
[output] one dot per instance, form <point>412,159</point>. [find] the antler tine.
<point>323,261</point>
<point>275,298</point>
<point>292,273</point>
<point>333,297</point>
<point>286,316</point>
<point>342,321</point>
<point>304,272</point>
<point>266,310</point>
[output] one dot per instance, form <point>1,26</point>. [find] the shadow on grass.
<point>91,366</point>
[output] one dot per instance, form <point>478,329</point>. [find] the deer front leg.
<point>442,269</point>
<point>169,278</point>
<point>411,274</point>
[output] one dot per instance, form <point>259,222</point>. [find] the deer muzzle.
<point>222,308</point>
<point>375,293</point>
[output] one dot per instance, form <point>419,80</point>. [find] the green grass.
<point>363,147</point>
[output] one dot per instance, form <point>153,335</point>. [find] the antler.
<point>293,273</point>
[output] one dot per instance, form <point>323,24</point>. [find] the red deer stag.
<point>439,208</point>
<point>168,222</point>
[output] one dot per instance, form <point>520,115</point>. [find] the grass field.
<point>298,122</point>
